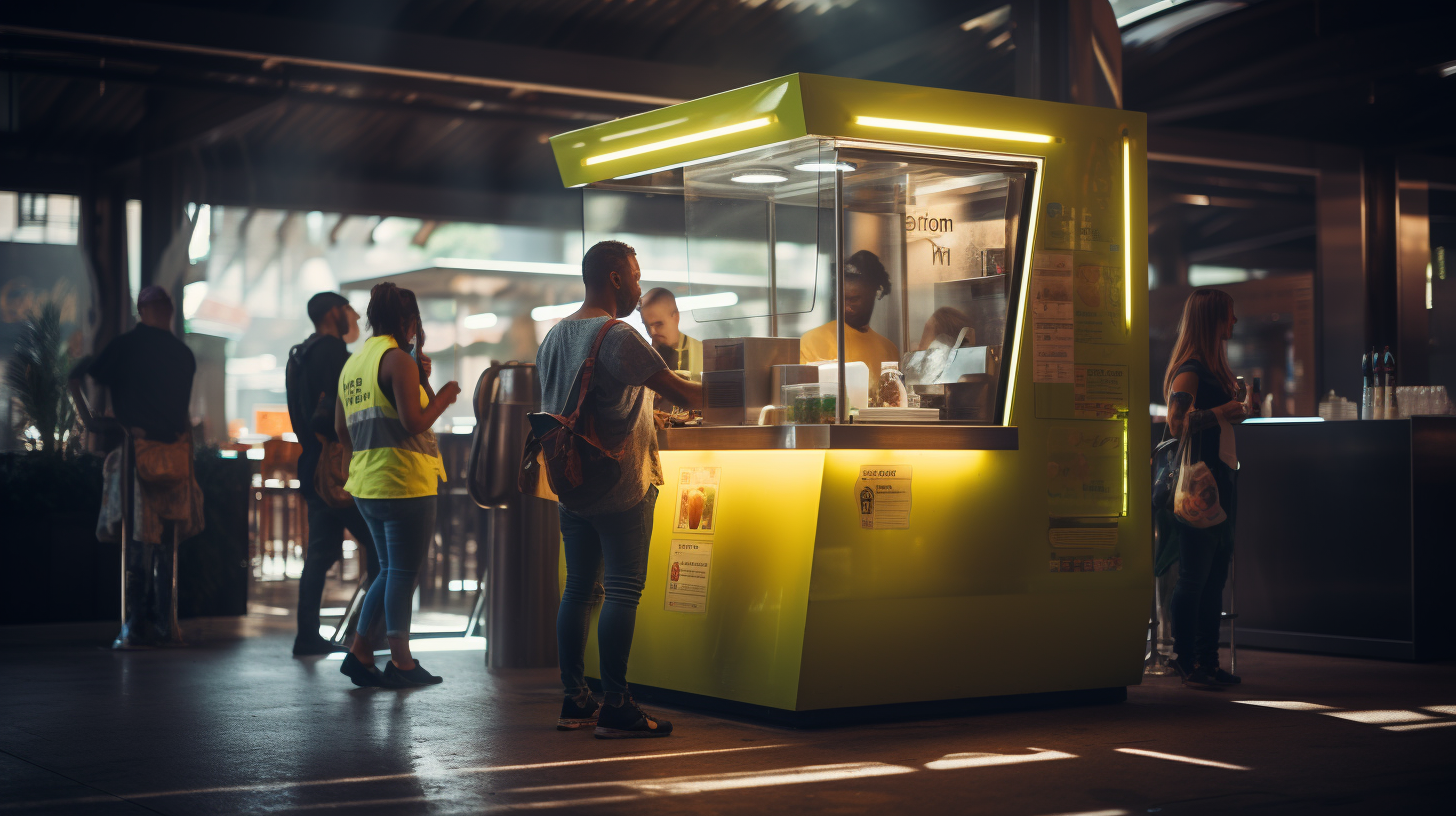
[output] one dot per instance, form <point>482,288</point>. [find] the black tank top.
<point>1210,394</point>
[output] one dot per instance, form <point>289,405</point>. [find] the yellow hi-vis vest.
<point>388,462</point>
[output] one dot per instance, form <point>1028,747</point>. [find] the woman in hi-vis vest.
<point>383,416</point>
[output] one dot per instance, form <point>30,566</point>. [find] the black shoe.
<point>1192,675</point>
<point>1221,677</point>
<point>577,712</point>
<point>360,672</point>
<point>628,720</point>
<point>316,645</point>
<point>395,677</point>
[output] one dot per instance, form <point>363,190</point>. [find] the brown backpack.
<point>565,449</point>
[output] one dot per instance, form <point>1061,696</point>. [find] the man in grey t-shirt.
<point>612,534</point>
<point>623,406</point>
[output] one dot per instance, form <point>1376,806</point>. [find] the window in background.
<point>1441,288</point>
<point>255,269</point>
<point>1251,234</point>
<point>40,264</point>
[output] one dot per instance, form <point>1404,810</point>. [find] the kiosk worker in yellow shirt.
<point>865,281</point>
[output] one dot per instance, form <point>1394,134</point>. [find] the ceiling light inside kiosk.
<point>760,177</point>
<point>951,130</point>
<point>678,141</point>
<point>825,167</point>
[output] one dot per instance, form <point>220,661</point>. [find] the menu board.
<point>697,499</point>
<point>883,497</point>
<point>1084,469</point>
<point>1099,391</point>
<point>1100,304</point>
<point>1052,321</point>
<point>689,564</point>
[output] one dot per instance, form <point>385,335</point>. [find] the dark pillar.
<point>1382,261</point>
<point>1068,51</point>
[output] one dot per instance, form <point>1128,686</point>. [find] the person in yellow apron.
<point>385,411</point>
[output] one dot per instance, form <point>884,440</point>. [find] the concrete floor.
<point>234,724</point>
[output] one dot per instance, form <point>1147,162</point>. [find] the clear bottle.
<point>1378,371</point>
<point>891,390</point>
<point>1367,392</point>
<point>1392,411</point>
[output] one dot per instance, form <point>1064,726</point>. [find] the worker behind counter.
<point>660,315</point>
<point>865,281</point>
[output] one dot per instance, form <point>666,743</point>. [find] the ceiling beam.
<point>335,46</point>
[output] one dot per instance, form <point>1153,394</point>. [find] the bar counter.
<point>1345,537</point>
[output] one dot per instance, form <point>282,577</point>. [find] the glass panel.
<point>753,225</point>
<point>930,247</point>
<point>1250,233</point>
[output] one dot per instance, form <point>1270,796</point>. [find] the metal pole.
<point>174,628</point>
<point>773,271</point>
<point>124,637</point>
<point>1233,617</point>
<point>841,409</point>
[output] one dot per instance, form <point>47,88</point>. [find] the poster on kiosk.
<point>923,322</point>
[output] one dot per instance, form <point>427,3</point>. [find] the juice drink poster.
<point>697,499</point>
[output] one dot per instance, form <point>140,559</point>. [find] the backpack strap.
<point>584,376</point>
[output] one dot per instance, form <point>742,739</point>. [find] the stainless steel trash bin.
<point>523,539</point>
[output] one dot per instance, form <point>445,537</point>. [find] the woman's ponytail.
<point>393,311</point>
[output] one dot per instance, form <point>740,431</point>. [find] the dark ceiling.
<point>1350,72</point>
<point>276,101</point>
<point>109,83</point>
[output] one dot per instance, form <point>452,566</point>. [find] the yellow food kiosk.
<point>973,523</point>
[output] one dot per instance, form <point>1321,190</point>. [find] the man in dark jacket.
<point>148,372</point>
<point>313,387</point>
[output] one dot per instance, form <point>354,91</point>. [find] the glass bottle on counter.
<point>1367,392</point>
<point>1378,372</point>
<point>891,390</point>
<point>1392,411</point>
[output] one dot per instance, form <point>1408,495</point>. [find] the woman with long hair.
<point>385,411</point>
<point>1203,398</point>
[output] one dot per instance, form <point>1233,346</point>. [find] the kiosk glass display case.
<point>767,232</point>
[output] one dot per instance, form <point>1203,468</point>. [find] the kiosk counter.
<point>956,506</point>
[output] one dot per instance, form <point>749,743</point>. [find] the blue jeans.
<point>325,547</point>
<point>614,546</point>
<point>402,530</point>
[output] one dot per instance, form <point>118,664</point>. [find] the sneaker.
<point>1221,677</point>
<point>316,645</point>
<point>1193,676</point>
<point>363,674</point>
<point>628,720</point>
<point>577,712</point>
<point>395,677</point>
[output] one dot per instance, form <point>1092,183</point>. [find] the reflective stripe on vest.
<point>388,461</point>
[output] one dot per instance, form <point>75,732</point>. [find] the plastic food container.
<point>808,404</point>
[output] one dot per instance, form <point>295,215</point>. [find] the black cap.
<point>320,304</point>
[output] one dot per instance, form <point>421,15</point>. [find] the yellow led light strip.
<point>1126,283</point>
<point>677,141</point>
<point>1127,228</point>
<point>1021,299</point>
<point>953,130</point>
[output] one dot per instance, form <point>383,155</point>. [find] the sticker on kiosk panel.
<point>1084,470</point>
<point>1052,319</point>
<point>688,565</point>
<point>883,496</point>
<point>697,499</point>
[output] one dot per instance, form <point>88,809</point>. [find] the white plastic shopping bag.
<point>1195,499</point>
